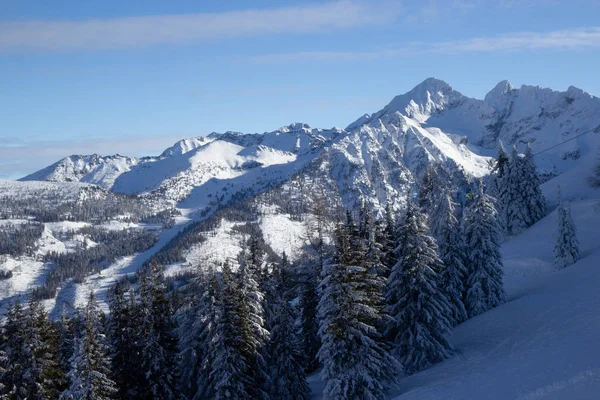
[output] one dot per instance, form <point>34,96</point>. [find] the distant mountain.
<point>374,159</point>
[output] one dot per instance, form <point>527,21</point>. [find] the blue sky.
<point>135,76</point>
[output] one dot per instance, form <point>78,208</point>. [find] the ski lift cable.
<point>568,140</point>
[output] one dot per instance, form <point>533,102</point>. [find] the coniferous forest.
<point>371,301</point>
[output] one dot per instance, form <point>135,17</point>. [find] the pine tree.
<point>427,189</point>
<point>566,248</point>
<point>14,331</point>
<point>125,346</point>
<point>387,237</point>
<point>159,350</point>
<point>42,372</point>
<point>451,248</point>
<point>356,362</point>
<point>498,186</point>
<point>66,335</point>
<point>309,324</point>
<point>253,334</point>
<point>288,379</point>
<point>420,310</point>
<point>90,364</point>
<point>230,356</point>
<point>197,334</point>
<point>484,287</point>
<point>515,202</point>
<point>530,189</point>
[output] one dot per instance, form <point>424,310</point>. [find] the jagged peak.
<point>295,127</point>
<point>502,88</point>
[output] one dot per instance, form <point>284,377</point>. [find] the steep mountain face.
<point>376,159</point>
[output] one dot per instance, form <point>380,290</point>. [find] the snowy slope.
<point>542,343</point>
<point>96,169</point>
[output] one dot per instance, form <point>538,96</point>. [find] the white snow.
<point>282,233</point>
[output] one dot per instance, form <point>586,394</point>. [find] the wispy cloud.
<point>572,39</point>
<point>119,33</point>
<point>21,157</point>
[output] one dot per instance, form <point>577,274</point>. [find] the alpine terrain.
<point>443,247</point>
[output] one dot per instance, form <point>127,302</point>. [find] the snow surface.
<point>542,343</point>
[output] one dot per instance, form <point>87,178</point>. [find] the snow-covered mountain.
<point>277,182</point>
<point>375,158</point>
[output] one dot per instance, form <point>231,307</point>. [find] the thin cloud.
<point>120,33</point>
<point>573,39</point>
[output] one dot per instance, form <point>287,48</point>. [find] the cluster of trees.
<point>85,261</point>
<point>379,298</point>
<point>516,186</point>
<point>370,298</point>
<point>19,239</point>
<point>92,204</point>
<point>130,355</point>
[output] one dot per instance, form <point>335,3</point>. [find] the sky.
<point>133,77</point>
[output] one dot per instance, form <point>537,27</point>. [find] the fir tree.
<point>159,350</point>
<point>230,355</point>
<point>125,346</point>
<point>451,249</point>
<point>530,189</point>
<point>386,238</point>
<point>90,364</point>
<point>67,336</point>
<point>420,310</point>
<point>356,362</point>
<point>427,189</point>
<point>515,202</point>
<point>566,248</point>
<point>253,333</point>
<point>197,334</point>
<point>484,287</point>
<point>288,379</point>
<point>498,186</point>
<point>309,324</point>
<point>14,331</point>
<point>42,371</point>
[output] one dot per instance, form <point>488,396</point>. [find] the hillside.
<point>86,222</point>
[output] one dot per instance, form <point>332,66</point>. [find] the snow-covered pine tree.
<point>447,231</point>
<point>566,248</point>
<point>253,333</point>
<point>497,184</point>
<point>427,189</point>
<point>530,189</point>
<point>125,346</point>
<point>484,287</point>
<point>515,201</point>
<point>197,333</point>
<point>90,364</point>
<point>356,362</point>
<point>288,379</point>
<point>387,238</point>
<point>159,350</point>
<point>44,378</point>
<point>66,337</point>
<point>309,325</point>
<point>229,353</point>
<point>14,331</point>
<point>419,309</point>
